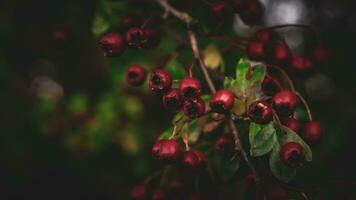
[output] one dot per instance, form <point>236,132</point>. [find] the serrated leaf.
<point>212,57</point>
<point>262,139</point>
<point>228,166</point>
<point>292,136</point>
<point>278,168</point>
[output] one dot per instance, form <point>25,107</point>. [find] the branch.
<point>187,19</point>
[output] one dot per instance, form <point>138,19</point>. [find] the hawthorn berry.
<point>168,151</point>
<point>260,112</point>
<point>222,101</point>
<point>136,38</point>
<point>190,88</point>
<point>280,53</point>
<point>312,132</point>
<point>193,159</point>
<point>292,123</point>
<point>271,84</point>
<point>139,192</point>
<point>113,44</point>
<point>292,154</point>
<point>136,75</point>
<point>194,108</point>
<point>159,194</point>
<point>224,145</point>
<point>252,13</point>
<point>220,10</point>
<point>172,100</point>
<point>285,102</point>
<point>153,38</point>
<point>160,81</point>
<point>256,50</point>
<point>301,65</point>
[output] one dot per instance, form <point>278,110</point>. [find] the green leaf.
<point>100,25</point>
<point>262,139</point>
<point>258,75</point>
<point>292,136</point>
<point>228,82</point>
<point>278,168</point>
<point>176,69</point>
<point>194,132</point>
<point>228,166</point>
<point>206,98</point>
<point>241,82</point>
<point>166,134</point>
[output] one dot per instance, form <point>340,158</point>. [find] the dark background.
<point>35,165</point>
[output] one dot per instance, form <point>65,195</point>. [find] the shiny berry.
<point>113,44</point>
<point>285,102</point>
<point>139,192</point>
<point>220,10</point>
<point>280,53</point>
<point>136,38</point>
<point>271,84</point>
<point>168,151</point>
<point>252,13</point>
<point>256,50</point>
<point>159,194</point>
<point>292,154</point>
<point>160,81</point>
<point>260,112</point>
<point>153,37</point>
<point>190,88</point>
<point>222,101</point>
<point>136,75</point>
<point>194,108</point>
<point>224,145</point>
<point>292,123</point>
<point>193,159</point>
<point>172,100</point>
<point>301,65</point>
<point>312,132</point>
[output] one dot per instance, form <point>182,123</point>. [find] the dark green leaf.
<point>166,134</point>
<point>241,82</point>
<point>262,138</point>
<point>176,69</point>
<point>278,168</point>
<point>228,166</point>
<point>292,136</point>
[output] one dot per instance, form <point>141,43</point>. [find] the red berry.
<point>312,132</point>
<point>252,13</point>
<point>136,75</point>
<point>301,65</point>
<point>220,10</point>
<point>173,100</point>
<point>224,145</point>
<point>153,38</point>
<point>159,194</point>
<point>194,108</point>
<point>260,112</point>
<point>160,81</point>
<point>193,159</point>
<point>167,150</point>
<point>113,44</point>
<point>190,88</point>
<point>222,101</point>
<point>292,154</point>
<point>271,85</point>
<point>139,192</point>
<point>265,35</point>
<point>256,50</point>
<point>292,123</point>
<point>320,54</point>
<point>136,38</point>
<point>280,53</point>
<point>285,102</point>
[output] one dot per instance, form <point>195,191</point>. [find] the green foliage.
<point>262,138</point>
<point>227,167</point>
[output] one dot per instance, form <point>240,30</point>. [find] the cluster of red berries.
<point>250,11</point>
<point>267,47</point>
<point>146,36</point>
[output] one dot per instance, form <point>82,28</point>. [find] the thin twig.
<point>286,76</point>
<point>307,108</point>
<point>152,176</point>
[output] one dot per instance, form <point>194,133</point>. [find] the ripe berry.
<point>320,54</point>
<point>136,75</point>
<point>139,192</point>
<point>173,100</point>
<point>222,101</point>
<point>260,112</point>
<point>285,102</point>
<point>167,150</point>
<point>292,123</point>
<point>224,145</point>
<point>220,10</point>
<point>194,108</point>
<point>252,13</point>
<point>153,38</point>
<point>301,65</point>
<point>292,154</point>
<point>159,194</point>
<point>160,81</point>
<point>280,53</point>
<point>256,50</point>
<point>190,88</point>
<point>312,132</point>
<point>265,35</point>
<point>271,85</point>
<point>193,159</point>
<point>136,38</point>
<point>113,44</point>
